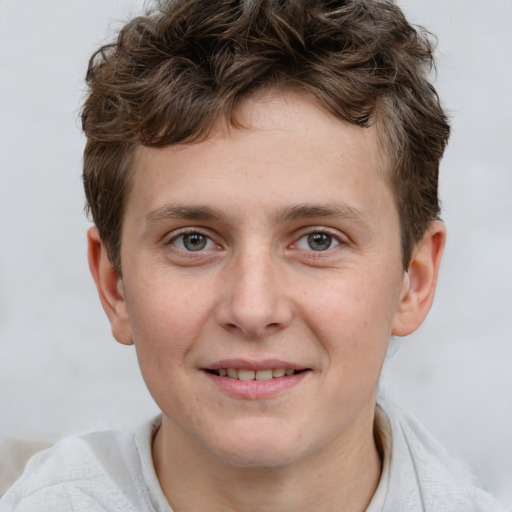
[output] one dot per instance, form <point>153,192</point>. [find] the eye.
<point>317,241</point>
<point>193,242</point>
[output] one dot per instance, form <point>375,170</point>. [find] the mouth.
<point>259,375</point>
<point>256,380</point>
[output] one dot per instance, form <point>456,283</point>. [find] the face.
<point>261,279</point>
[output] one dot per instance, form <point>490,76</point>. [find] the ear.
<point>420,281</point>
<point>110,288</point>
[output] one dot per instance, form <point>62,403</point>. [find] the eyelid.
<point>175,235</point>
<point>310,230</point>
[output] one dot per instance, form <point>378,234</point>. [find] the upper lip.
<point>244,364</point>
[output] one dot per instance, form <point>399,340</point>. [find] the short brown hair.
<point>173,73</point>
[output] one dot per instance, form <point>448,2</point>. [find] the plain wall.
<point>60,370</point>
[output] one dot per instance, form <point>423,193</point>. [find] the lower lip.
<point>256,389</point>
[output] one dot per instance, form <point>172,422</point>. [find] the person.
<point>262,176</point>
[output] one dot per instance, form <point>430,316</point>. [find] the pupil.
<point>319,241</point>
<point>194,242</point>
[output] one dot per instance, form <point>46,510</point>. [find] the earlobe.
<point>110,288</point>
<point>420,281</point>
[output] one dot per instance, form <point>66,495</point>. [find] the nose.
<point>253,301</point>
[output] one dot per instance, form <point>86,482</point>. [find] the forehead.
<point>277,144</point>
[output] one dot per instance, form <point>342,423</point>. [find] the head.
<point>174,73</point>
<point>263,178</point>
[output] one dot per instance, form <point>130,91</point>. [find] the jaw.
<point>262,465</point>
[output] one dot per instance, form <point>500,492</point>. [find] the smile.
<point>243,374</point>
<point>247,380</point>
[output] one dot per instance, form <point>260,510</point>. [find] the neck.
<point>343,475</point>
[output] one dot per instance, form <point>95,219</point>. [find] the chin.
<point>261,450</point>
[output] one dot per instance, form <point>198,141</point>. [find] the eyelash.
<point>182,236</point>
<point>334,241</point>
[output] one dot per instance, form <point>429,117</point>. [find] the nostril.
<point>271,327</point>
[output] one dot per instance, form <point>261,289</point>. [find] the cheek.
<point>352,318</point>
<point>165,326</point>
<point>166,322</point>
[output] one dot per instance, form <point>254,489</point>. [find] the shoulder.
<point>96,471</point>
<point>423,476</point>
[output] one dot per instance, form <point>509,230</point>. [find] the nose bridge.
<point>253,301</point>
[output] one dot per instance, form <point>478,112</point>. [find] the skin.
<point>260,291</point>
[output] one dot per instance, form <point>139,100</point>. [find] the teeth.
<point>245,375</point>
<point>242,374</point>
<point>263,374</point>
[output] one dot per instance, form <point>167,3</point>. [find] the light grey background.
<point>60,370</point>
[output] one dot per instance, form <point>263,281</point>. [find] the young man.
<point>262,176</point>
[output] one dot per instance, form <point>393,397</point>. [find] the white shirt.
<point>113,472</point>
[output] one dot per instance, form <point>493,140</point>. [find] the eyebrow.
<point>310,211</point>
<point>177,211</point>
<point>284,214</point>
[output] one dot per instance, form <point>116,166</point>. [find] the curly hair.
<point>174,72</point>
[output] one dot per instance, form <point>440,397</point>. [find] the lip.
<point>265,364</point>
<point>254,389</point>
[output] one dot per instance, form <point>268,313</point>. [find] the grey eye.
<point>193,241</point>
<point>319,241</point>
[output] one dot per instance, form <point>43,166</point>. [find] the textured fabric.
<point>113,471</point>
<point>423,477</point>
<point>104,472</point>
